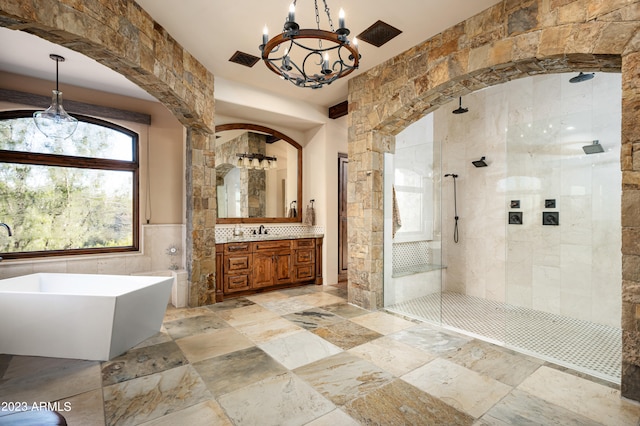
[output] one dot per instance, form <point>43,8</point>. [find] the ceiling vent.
<point>245,59</point>
<point>379,33</point>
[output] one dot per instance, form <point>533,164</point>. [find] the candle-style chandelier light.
<point>310,57</point>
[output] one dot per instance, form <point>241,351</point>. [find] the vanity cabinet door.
<point>263,269</point>
<point>282,272</point>
<point>271,268</point>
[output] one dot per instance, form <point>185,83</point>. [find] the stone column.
<point>366,218</point>
<point>630,160</point>
<point>201,216</point>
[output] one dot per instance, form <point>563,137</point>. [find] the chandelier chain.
<point>326,9</point>
<point>315,2</point>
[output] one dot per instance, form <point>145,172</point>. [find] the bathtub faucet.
<point>6,226</point>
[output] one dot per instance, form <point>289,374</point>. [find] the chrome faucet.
<point>6,226</point>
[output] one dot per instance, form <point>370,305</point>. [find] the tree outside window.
<point>73,196</point>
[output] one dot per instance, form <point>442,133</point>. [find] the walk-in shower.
<point>538,266</point>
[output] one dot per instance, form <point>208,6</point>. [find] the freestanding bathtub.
<point>93,317</point>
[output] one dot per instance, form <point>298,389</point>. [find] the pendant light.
<point>54,122</point>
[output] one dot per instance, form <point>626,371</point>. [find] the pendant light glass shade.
<point>54,122</point>
<point>255,163</point>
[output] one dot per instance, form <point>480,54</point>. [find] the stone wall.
<point>253,183</point>
<point>122,36</point>
<point>511,40</point>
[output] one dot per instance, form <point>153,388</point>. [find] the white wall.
<point>532,132</point>
<point>320,167</point>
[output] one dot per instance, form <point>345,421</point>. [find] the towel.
<point>292,210</point>
<point>310,215</point>
<point>397,222</point>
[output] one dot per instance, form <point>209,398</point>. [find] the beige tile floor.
<point>304,356</point>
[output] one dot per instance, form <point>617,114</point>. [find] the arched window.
<point>73,196</point>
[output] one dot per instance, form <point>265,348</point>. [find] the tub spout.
<point>6,226</point>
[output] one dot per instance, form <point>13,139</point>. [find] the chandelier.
<point>54,122</point>
<point>310,57</point>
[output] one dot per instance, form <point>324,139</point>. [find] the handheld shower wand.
<point>455,207</point>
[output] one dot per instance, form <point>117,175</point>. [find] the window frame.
<point>426,228</point>
<point>58,160</point>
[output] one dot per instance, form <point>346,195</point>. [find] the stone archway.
<point>505,42</point>
<point>123,37</point>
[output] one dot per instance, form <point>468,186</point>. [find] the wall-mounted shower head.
<point>594,148</point>
<point>460,110</point>
<point>453,175</point>
<point>480,162</point>
<point>581,77</point>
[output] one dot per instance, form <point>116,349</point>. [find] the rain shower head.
<point>581,77</point>
<point>480,162</point>
<point>460,110</point>
<point>594,148</point>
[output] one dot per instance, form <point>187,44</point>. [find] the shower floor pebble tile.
<point>592,348</point>
<point>328,364</point>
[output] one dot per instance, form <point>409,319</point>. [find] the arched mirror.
<point>258,175</point>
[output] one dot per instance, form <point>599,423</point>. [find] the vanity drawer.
<point>304,272</point>
<point>233,283</point>
<point>271,245</point>
<point>304,243</point>
<point>237,248</point>
<point>236,263</point>
<point>304,256</point>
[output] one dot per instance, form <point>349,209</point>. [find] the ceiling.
<point>212,30</point>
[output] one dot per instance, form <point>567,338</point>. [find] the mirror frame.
<point>264,129</point>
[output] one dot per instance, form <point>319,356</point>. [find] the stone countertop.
<point>265,237</point>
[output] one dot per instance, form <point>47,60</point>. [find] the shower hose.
<point>455,210</point>
<point>455,207</point>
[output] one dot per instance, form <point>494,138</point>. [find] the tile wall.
<point>532,131</point>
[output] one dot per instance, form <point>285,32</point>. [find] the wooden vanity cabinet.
<point>255,266</point>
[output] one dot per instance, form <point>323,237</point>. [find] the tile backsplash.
<point>226,231</point>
